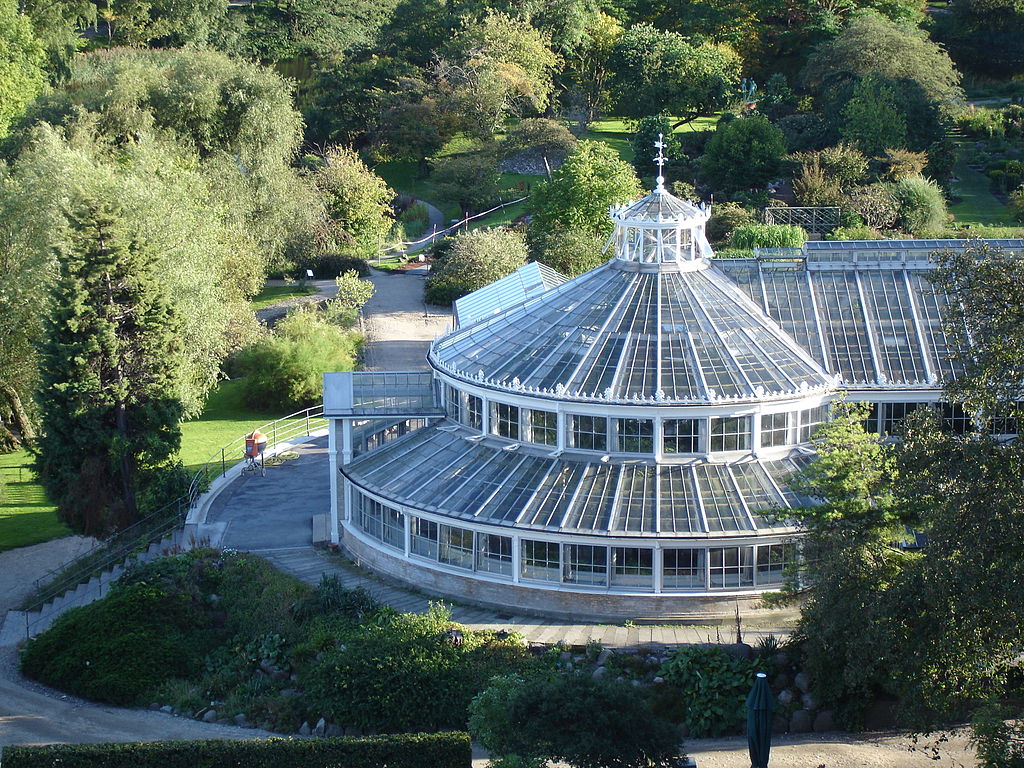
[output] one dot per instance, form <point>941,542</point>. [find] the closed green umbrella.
<point>759,721</point>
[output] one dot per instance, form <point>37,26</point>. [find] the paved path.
<point>398,325</point>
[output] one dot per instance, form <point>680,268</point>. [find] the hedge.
<point>415,750</point>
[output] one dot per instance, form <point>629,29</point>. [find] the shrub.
<point>724,219</point>
<point>857,232</point>
<point>473,260</point>
<point>330,265</point>
<point>571,252</point>
<point>471,180</point>
<point>414,750</point>
<point>573,719</point>
<point>284,371</point>
<point>874,204</point>
<point>803,133</point>
<point>547,137</point>
<point>401,672</point>
<point>155,640</point>
<point>743,154</point>
<point>920,205</point>
<point>1016,204</point>
<point>713,685</point>
<point>768,236</point>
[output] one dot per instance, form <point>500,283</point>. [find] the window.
<point>494,554</point>
<point>634,435</point>
<point>393,528</point>
<point>539,560</point>
<point>682,568</point>
<point>455,546</point>
<point>368,517</point>
<point>772,560</point>
<point>632,567</point>
<point>473,412</point>
<point>423,537</point>
<point>955,420</point>
<point>505,420</point>
<point>730,434</point>
<point>893,415</point>
<point>681,435</point>
<point>543,426</point>
<point>586,564</point>
<point>810,420</point>
<point>590,433</point>
<point>452,403</point>
<point>871,422</point>
<point>1002,425</point>
<point>731,566</point>
<point>774,429</point>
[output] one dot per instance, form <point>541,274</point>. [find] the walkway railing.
<point>463,223</point>
<point>155,526</point>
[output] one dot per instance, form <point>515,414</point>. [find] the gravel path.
<point>398,325</point>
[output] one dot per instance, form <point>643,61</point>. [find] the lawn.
<point>977,204</point>
<point>27,518</point>
<point>272,294</point>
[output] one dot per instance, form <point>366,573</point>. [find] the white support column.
<point>332,463</point>
<point>563,426</point>
<point>517,555</point>
<point>656,564</point>
<point>406,534</point>
<point>346,441</point>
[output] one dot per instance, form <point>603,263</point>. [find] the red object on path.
<point>255,443</point>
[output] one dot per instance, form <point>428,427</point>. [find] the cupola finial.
<point>660,160</point>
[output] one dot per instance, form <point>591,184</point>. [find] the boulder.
<point>740,651</point>
<point>320,728</point>
<point>333,731</point>
<point>802,721</point>
<point>210,716</point>
<point>781,660</point>
<point>780,723</point>
<point>304,729</point>
<point>781,680</point>
<point>658,679</point>
<point>802,681</point>
<point>241,721</point>
<point>167,708</point>
<point>602,657</point>
<point>809,701</point>
<point>825,721</point>
<point>785,697</point>
<point>600,673</point>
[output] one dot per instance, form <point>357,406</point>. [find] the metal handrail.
<point>154,526</point>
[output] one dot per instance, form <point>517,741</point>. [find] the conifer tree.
<point>108,365</point>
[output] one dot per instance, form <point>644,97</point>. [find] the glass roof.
<point>659,206</point>
<point>873,325</point>
<point>441,471</point>
<point>529,280</point>
<point>380,393</point>
<point>618,335</point>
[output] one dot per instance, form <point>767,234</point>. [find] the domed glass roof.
<point>614,334</point>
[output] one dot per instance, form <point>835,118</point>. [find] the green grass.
<point>977,204</point>
<point>26,517</point>
<point>272,294</point>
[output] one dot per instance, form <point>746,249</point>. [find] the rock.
<point>825,721</point>
<point>740,651</point>
<point>210,716</point>
<point>578,659</point>
<point>809,701</point>
<point>603,656</point>
<point>782,680</point>
<point>599,673</point>
<point>801,722</point>
<point>289,691</point>
<point>293,677</point>
<point>785,697</point>
<point>333,731</point>
<point>268,666</point>
<point>659,679</point>
<point>279,675</point>
<point>780,723</point>
<point>167,708</point>
<point>636,683</point>
<point>802,681</point>
<point>155,707</point>
<point>304,729</point>
<point>241,721</point>
<point>320,727</point>
<point>213,598</point>
<point>780,659</point>
<point>224,721</point>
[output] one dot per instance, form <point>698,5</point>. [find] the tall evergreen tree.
<point>108,365</point>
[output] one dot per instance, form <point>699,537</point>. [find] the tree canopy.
<point>22,59</point>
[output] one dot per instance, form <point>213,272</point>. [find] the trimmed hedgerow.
<point>416,750</point>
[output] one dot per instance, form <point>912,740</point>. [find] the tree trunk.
<point>8,440</point>
<point>21,419</point>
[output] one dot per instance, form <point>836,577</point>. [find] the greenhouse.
<point>618,445</point>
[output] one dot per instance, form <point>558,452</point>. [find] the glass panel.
<point>543,426</point>
<point>393,525</point>
<point>774,430</point>
<point>810,420</point>
<point>682,568</point>
<point>730,434</point>
<point>893,415</point>
<point>586,564</point>
<point>955,420</point>
<point>632,567</point>
<point>772,560</point>
<point>456,547</point>
<point>539,560</point>
<point>424,537</point>
<point>590,433</point>
<point>731,566</point>
<point>505,420</point>
<point>474,412</point>
<point>494,554</point>
<point>681,435</point>
<point>634,435</point>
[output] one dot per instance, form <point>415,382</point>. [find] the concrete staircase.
<point>20,625</point>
